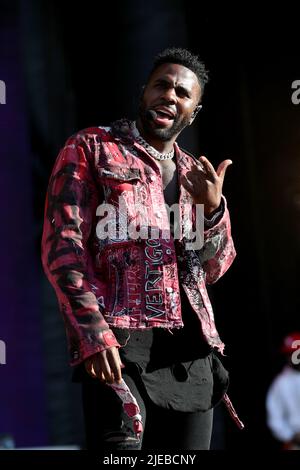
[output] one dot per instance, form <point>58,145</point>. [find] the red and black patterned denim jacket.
<point>124,282</point>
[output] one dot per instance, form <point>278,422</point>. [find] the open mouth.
<point>164,116</point>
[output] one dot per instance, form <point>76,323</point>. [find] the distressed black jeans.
<point>164,429</point>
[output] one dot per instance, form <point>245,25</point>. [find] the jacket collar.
<point>122,131</point>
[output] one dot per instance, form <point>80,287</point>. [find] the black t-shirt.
<point>175,365</point>
<point>158,347</point>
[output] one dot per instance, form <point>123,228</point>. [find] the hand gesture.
<point>205,184</point>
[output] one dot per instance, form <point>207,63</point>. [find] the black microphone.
<point>151,114</point>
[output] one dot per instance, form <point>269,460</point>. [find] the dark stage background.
<point>68,66</point>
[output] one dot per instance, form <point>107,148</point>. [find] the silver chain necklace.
<point>151,150</point>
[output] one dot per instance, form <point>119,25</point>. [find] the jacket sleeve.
<point>218,252</point>
<point>71,203</point>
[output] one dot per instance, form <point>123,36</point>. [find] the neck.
<point>159,145</point>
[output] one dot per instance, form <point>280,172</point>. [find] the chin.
<point>164,134</point>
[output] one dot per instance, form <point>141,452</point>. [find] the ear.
<point>194,113</point>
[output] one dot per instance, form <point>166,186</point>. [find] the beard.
<point>179,123</point>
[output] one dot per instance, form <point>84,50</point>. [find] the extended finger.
<point>115,366</point>
<point>101,378</point>
<point>90,369</point>
<point>222,168</point>
<point>97,370</point>
<point>198,166</point>
<point>97,373</point>
<point>104,369</point>
<point>208,167</point>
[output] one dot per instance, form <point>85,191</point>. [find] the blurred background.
<point>68,66</point>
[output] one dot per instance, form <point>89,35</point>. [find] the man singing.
<point>130,281</point>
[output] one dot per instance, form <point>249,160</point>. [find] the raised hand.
<point>205,184</point>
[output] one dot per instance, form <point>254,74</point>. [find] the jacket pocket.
<point>119,180</point>
<point>113,173</point>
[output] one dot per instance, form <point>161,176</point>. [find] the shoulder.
<point>88,140</point>
<point>90,135</point>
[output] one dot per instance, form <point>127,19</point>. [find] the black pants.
<point>163,429</point>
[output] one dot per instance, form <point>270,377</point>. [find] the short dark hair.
<point>174,55</point>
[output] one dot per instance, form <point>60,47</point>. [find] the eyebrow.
<point>178,87</point>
